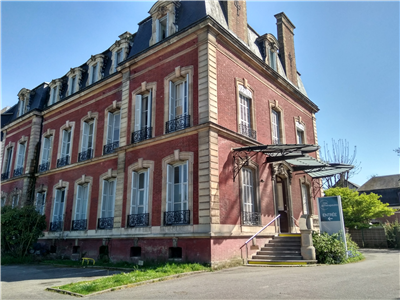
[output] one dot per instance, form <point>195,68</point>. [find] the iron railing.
<point>79,224</point>
<point>179,217</point>
<point>63,161</point>
<point>141,135</point>
<point>250,239</point>
<point>85,155</point>
<point>18,171</point>
<point>136,220</point>
<point>109,148</point>
<point>56,226</point>
<point>178,123</point>
<point>106,223</point>
<point>5,175</point>
<point>251,218</point>
<point>247,131</point>
<point>44,167</point>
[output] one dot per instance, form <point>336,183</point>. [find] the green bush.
<point>352,250</point>
<point>20,229</point>
<point>329,249</point>
<point>392,230</point>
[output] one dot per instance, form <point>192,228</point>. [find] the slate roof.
<point>386,186</point>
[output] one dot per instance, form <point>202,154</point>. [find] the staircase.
<point>283,250</point>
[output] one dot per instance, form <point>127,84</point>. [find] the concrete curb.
<point>127,285</point>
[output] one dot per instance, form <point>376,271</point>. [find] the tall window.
<point>249,214</point>
<point>245,126</point>
<point>3,201</point>
<point>276,130</point>
<point>143,127</point>
<point>300,133</point>
<point>53,95</point>
<point>7,164</point>
<point>40,202</point>
<point>45,162</point>
<point>140,192</point>
<point>80,217</point>
<point>22,106</point>
<point>113,130</point>
<point>272,59</point>
<point>118,58</point>
<point>162,28</point>
<point>106,220</point>
<point>58,210</point>
<point>65,148</point>
<point>178,105</point>
<point>305,198</point>
<point>19,166</point>
<point>87,141</point>
<point>14,200</point>
<point>72,85</point>
<point>93,77</point>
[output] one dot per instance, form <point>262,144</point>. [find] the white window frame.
<point>276,127</point>
<point>59,199</point>
<point>66,144</point>
<point>20,159</point>
<point>21,108</point>
<point>111,127</point>
<point>81,201</point>
<point>160,23</point>
<point>42,208</point>
<point>8,160</point>
<point>139,110</point>
<point>105,198</point>
<point>46,152</point>
<point>136,191</point>
<point>248,190</point>
<point>3,201</point>
<point>173,98</point>
<point>300,131</point>
<point>87,136</point>
<point>182,185</point>
<point>72,84</point>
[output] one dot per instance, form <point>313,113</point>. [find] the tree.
<point>358,209</point>
<point>20,229</point>
<point>340,154</point>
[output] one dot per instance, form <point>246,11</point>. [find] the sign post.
<point>330,216</point>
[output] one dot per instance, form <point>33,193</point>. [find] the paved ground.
<point>375,278</point>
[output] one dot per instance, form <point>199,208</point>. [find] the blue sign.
<point>329,209</point>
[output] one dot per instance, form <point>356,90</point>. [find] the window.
<point>136,252</point>
<point>3,201</point>
<point>74,80</point>
<point>80,216</point>
<point>276,130</point>
<point>22,107</point>
<point>19,166</point>
<point>7,164</point>
<point>179,117</point>
<point>24,97</point>
<point>272,59</point>
<point>118,58</point>
<point>245,126</point>
<point>305,198</point>
<point>300,133</point>
<point>65,148</point>
<point>95,68</point>
<point>14,200</point>
<point>162,28</point>
<point>93,74</point>
<point>45,162</point>
<point>40,202</point>
<point>143,111</point>
<point>87,141</point>
<point>177,195</point>
<point>139,199</point>
<point>106,220</point>
<point>113,129</point>
<point>53,95</point>
<point>58,211</point>
<point>72,85</point>
<point>164,24</point>
<point>250,215</point>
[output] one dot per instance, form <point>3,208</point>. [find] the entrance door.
<point>281,195</point>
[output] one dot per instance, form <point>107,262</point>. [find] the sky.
<point>347,54</point>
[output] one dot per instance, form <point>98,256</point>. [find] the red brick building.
<point>135,153</point>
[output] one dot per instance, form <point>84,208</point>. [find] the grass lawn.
<point>139,275</point>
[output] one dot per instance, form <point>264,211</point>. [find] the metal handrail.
<point>250,239</point>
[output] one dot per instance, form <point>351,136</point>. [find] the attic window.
<point>162,28</point>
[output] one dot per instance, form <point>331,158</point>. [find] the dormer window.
<point>163,15</point>
<point>55,88</point>
<point>72,87</point>
<point>120,50</point>
<point>95,64</point>
<point>74,79</point>
<point>271,47</point>
<point>23,105</point>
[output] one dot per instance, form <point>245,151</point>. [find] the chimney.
<point>286,42</point>
<point>236,16</point>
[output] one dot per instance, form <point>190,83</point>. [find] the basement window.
<point>175,252</point>
<point>136,251</point>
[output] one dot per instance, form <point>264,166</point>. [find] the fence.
<point>374,237</point>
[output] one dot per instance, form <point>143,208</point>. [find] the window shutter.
<point>171,101</point>
<point>85,198</point>
<point>57,213</point>
<point>110,128</point>
<point>85,136</point>
<point>274,120</point>
<point>21,155</point>
<point>170,187</point>
<point>134,190</point>
<point>111,190</point>
<point>90,135</point>
<point>185,186</point>
<point>158,33</point>
<point>150,99</point>
<point>46,150</point>
<point>104,203</point>
<point>66,142</point>
<point>138,110</point>
<point>117,118</point>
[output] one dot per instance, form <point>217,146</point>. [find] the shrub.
<point>391,231</point>
<point>329,249</point>
<point>352,250</point>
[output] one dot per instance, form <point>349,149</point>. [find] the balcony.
<point>251,218</point>
<point>44,167</point>
<point>56,226</point>
<point>105,223</point>
<point>247,131</point>
<point>141,135</point>
<point>85,155</point>
<point>63,161</point>
<point>109,148</point>
<point>79,224</point>
<point>179,123</point>
<point>138,220</point>
<point>179,217</point>
<point>18,172</point>
<point>5,176</point>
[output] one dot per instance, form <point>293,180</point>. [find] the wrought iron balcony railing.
<point>178,123</point>
<point>109,148</point>
<point>106,223</point>
<point>18,172</point>
<point>247,131</point>
<point>79,224</point>
<point>179,217</point>
<point>63,161</point>
<point>5,175</point>
<point>56,226</point>
<point>137,220</point>
<point>44,167</point>
<point>141,135</point>
<point>85,155</point>
<point>251,218</point>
